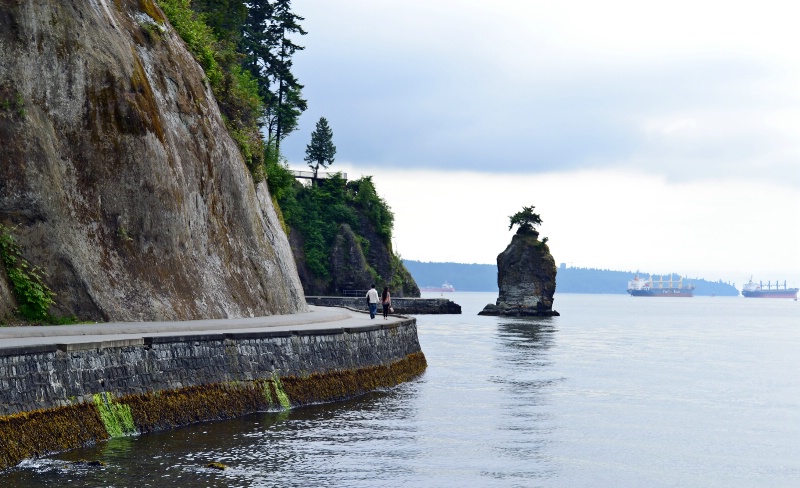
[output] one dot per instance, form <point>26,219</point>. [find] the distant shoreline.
<point>483,277</point>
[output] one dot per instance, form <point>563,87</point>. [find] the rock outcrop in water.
<point>526,276</point>
<point>118,176</point>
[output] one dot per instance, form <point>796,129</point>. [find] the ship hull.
<point>787,293</point>
<point>662,292</point>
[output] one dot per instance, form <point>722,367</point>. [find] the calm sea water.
<point>617,392</point>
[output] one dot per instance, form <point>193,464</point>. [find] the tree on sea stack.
<point>526,219</point>
<point>320,152</point>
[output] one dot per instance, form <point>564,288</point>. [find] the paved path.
<point>316,318</point>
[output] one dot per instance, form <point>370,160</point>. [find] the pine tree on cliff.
<point>289,104</point>
<point>526,219</point>
<point>320,152</point>
<point>268,48</point>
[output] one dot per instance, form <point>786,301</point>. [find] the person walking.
<point>386,301</point>
<point>372,301</point>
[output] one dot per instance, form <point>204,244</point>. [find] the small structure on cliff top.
<point>526,271</point>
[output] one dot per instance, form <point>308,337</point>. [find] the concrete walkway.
<point>318,318</point>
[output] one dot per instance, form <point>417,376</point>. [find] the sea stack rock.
<point>526,276</point>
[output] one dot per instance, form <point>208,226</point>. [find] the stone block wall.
<point>48,376</point>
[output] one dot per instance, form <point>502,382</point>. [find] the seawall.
<point>62,392</point>
<point>402,306</point>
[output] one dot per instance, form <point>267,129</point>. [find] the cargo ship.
<point>757,290</point>
<point>445,287</point>
<point>651,288</point>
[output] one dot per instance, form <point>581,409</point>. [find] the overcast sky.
<point>660,137</point>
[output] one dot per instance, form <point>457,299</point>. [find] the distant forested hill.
<point>483,277</point>
<point>464,277</point>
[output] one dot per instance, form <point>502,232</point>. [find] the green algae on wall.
<point>115,416</point>
<point>280,393</point>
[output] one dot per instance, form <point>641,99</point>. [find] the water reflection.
<point>526,377</point>
<point>537,332</point>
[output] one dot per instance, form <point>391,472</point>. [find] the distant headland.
<point>483,277</point>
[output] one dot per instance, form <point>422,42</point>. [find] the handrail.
<point>321,175</point>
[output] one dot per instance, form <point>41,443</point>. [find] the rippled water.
<point>617,392</point>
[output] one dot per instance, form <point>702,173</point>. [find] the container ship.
<point>757,290</point>
<point>650,288</point>
<point>445,287</point>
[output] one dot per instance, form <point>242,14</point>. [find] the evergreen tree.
<point>268,50</point>
<point>259,46</point>
<point>225,17</point>
<point>289,104</point>
<point>526,219</point>
<point>320,152</point>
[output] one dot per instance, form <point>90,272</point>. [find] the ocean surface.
<point>616,392</point>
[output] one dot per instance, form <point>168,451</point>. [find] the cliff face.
<point>357,260</point>
<point>120,176</point>
<point>526,276</point>
<point>349,261</point>
<point>350,271</point>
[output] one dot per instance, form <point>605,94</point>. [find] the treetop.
<point>526,219</point>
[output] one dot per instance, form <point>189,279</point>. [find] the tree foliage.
<point>34,297</point>
<point>268,48</point>
<point>320,151</point>
<point>526,219</point>
<point>317,212</point>
<point>246,49</point>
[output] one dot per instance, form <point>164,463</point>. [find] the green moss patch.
<point>280,392</point>
<point>115,416</point>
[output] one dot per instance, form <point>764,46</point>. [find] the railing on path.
<point>354,293</point>
<point>309,175</point>
<point>403,306</point>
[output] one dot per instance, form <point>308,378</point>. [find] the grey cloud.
<point>409,111</point>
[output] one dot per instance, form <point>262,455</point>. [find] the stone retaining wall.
<point>37,377</point>
<point>403,306</point>
<point>62,396</point>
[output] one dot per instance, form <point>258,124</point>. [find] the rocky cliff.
<point>118,176</point>
<point>356,262</point>
<point>526,276</point>
<point>341,236</point>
